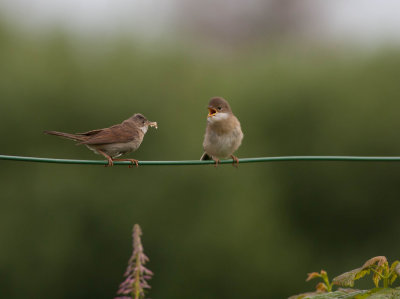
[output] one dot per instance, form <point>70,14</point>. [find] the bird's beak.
<point>211,112</point>
<point>152,124</point>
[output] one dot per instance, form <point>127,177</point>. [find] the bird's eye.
<point>219,108</point>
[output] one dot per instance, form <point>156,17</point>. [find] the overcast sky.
<point>364,20</point>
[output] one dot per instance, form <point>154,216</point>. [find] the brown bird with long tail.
<point>114,141</point>
<point>223,133</point>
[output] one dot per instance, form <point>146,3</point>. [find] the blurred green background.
<point>251,232</point>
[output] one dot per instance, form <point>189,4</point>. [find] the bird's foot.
<point>110,163</point>
<point>133,161</point>
<point>235,161</point>
<point>216,162</point>
<point>109,159</point>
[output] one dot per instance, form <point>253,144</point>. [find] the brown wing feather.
<point>115,134</point>
<point>89,133</point>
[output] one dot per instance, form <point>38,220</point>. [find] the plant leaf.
<point>376,278</point>
<point>397,269</point>
<point>303,295</point>
<point>362,273</point>
<point>312,275</point>
<point>347,279</point>
<point>394,265</point>
<point>393,278</point>
<point>380,259</point>
<point>321,287</point>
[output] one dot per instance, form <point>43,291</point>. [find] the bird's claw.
<point>133,161</point>
<point>110,163</point>
<point>216,162</point>
<point>235,161</point>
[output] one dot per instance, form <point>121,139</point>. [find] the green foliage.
<point>325,286</point>
<point>378,265</point>
<point>355,294</point>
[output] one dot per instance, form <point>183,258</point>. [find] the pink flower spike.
<point>136,274</point>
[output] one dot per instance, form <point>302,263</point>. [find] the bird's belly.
<point>222,146</point>
<point>115,149</point>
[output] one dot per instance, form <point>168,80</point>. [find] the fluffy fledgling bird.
<point>223,133</point>
<point>114,141</point>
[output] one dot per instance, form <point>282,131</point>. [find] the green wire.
<point>198,162</point>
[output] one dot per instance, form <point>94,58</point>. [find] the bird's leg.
<point>110,161</point>
<point>133,161</point>
<point>235,161</point>
<point>216,161</point>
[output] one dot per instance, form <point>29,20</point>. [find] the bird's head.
<point>218,109</point>
<point>142,122</point>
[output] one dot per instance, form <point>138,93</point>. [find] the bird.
<point>223,132</point>
<point>114,141</point>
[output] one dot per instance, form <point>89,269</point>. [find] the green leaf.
<point>347,279</point>
<point>324,275</point>
<point>380,259</point>
<point>342,294</point>
<point>321,287</point>
<point>394,265</point>
<point>303,295</point>
<point>387,293</point>
<point>362,273</point>
<point>376,278</point>
<point>312,275</point>
<point>393,278</point>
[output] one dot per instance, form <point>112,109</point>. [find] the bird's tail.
<point>205,156</point>
<point>66,135</point>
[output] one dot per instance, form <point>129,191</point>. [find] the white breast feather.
<point>144,129</point>
<point>222,146</point>
<point>217,117</point>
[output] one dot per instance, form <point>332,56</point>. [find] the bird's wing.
<point>115,134</point>
<point>89,133</point>
<point>205,156</point>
